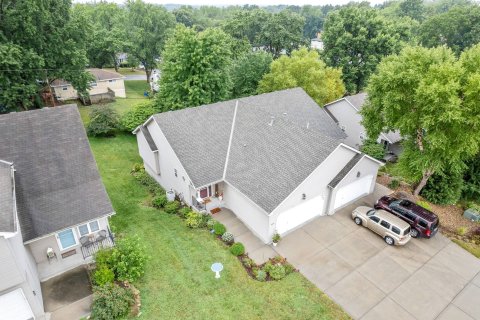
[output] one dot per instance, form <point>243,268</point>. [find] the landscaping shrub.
<point>227,237</point>
<point>219,228</point>
<point>462,231</point>
<point>424,204</point>
<point>103,122</point>
<point>247,262</point>
<point>138,115</point>
<point>183,212</point>
<point>211,223</point>
<point>159,201</point>
<point>394,184</point>
<point>111,302</point>
<point>151,184</point>
<point>172,207</point>
<point>193,220</point>
<point>237,249</point>
<point>288,268</point>
<point>277,271</point>
<point>373,149</point>
<point>261,275</point>
<point>103,257</point>
<point>137,167</point>
<point>128,259</point>
<point>205,217</point>
<point>103,275</point>
<point>475,207</point>
<point>444,188</point>
<point>471,177</point>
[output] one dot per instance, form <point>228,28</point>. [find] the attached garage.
<point>352,191</point>
<point>300,214</point>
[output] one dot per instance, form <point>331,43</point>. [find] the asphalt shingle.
<point>7,216</point>
<point>57,182</point>
<point>345,170</point>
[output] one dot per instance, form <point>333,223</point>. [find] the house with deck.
<point>277,160</point>
<point>54,208</point>
<point>345,112</point>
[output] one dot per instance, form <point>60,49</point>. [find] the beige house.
<point>105,82</point>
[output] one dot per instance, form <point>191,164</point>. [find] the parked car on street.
<point>393,230</point>
<point>423,222</point>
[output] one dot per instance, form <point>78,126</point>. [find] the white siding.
<point>149,157</point>
<point>168,164</point>
<point>249,213</point>
<point>349,118</point>
<point>316,185</point>
<point>367,168</point>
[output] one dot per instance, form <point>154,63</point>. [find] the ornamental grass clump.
<point>237,249</point>
<point>219,228</point>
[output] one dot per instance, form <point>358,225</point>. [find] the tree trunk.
<point>148,72</point>
<point>115,62</point>
<point>426,175</point>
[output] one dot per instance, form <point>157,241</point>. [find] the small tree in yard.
<point>111,301</point>
<point>431,98</point>
<point>373,149</point>
<point>128,259</point>
<point>138,115</point>
<point>104,121</point>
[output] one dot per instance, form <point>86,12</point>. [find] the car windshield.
<point>371,212</point>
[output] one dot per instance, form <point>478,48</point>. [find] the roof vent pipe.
<point>308,124</point>
<point>271,121</point>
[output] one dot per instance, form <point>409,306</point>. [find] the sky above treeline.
<point>242,2</point>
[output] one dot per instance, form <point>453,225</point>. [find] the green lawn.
<point>134,90</point>
<point>178,283</point>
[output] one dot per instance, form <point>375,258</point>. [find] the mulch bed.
<point>451,216</point>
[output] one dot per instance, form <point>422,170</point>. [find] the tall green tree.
<point>458,28</point>
<point>148,27</point>
<point>413,9</point>
<point>247,71</point>
<point>356,38</point>
<point>195,68</point>
<point>46,32</point>
<point>275,32</point>
<point>304,69</point>
<point>107,36</point>
<point>432,99</point>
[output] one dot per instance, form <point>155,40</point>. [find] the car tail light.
<point>428,233</point>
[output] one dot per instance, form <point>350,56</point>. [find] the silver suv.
<point>392,229</point>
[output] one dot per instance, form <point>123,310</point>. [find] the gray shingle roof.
<point>345,170</point>
<point>148,137</point>
<point>357,100</point>
<point>56,179</point>
<point>98,75</point>
<point>7,215</point>
<point>266,163</point>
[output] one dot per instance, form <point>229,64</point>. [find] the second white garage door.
<point>299,214</point>
<point>353,191</point>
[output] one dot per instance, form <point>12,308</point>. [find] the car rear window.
<point>406,231</point>
<point>376,219</point>
<point>423,223</point>
<point>396,230</point>
<point>385,224</point>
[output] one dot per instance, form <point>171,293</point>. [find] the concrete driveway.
<point>426,279</point>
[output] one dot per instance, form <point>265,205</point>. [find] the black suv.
<point>424,223</point>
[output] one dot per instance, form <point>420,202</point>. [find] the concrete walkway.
<point>425,279</point>
<point>256,249</point>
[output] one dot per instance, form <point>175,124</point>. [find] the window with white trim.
<point>66,239</point>
<point>88,228</point>
<point>64,88</point>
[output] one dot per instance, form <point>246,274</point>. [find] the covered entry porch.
<point>208,198</point>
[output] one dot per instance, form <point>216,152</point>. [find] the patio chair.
<point>85,240</point>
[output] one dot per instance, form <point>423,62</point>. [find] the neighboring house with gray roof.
<point>104,81</point>
<point>54,208</point>
<point>269,158</point>
<point>345,112</point>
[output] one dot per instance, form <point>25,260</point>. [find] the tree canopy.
<point>195,68</point>
<point>40,42</point>
<point>247,71</point>
<point>458,28</point>
<point>432,99</point>
<point>355,39</point>
<point>148,26</point>
<point>304,69</point>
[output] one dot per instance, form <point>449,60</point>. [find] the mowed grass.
<point>178,283</point>
<point>134,90</point>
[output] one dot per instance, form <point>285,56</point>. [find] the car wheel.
<point>414,233</point>
<point>389,241</point>
<point>358,221</point>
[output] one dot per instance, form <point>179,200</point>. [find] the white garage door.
<point>296,216</point>
<point>14,306</point>
<point>352,191</point>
